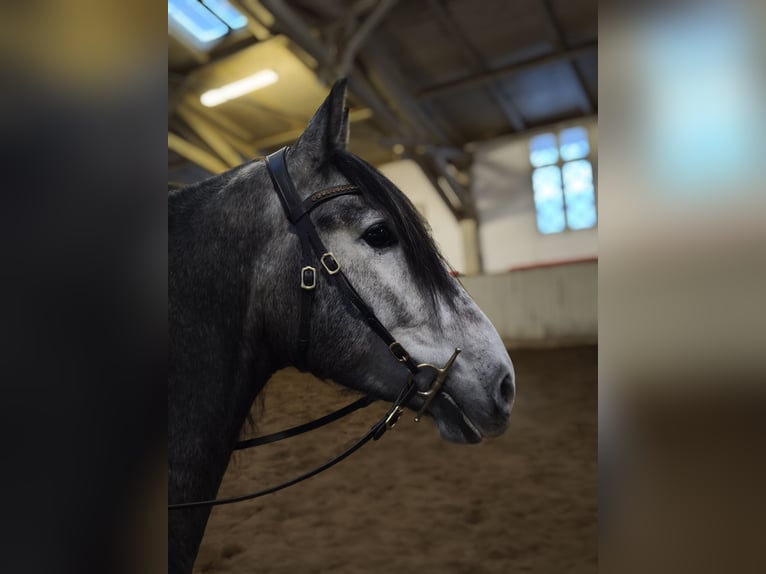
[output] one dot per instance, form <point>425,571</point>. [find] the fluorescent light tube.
<point>239,88</point>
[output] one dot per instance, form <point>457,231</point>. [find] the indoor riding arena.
<point>484,114</point>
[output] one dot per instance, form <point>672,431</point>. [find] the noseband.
<point>313,249</point>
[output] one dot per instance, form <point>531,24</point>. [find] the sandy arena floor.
<point>413,503</point>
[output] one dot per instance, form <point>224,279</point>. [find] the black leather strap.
<point>292,205</point>
<point>331,193</point>
<point>283,184</point>
<point>295,210</point>
<point>371,434</point>
<point>376,431</point>
<point>308,276</point>
<point>306,427</point>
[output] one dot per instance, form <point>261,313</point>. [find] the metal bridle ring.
<point>437,384</point>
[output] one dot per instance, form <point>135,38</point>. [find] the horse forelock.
<point>429,269</point>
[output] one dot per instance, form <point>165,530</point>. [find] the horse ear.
<point>328,129</point>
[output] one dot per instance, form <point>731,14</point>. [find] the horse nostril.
<point>507,389</point>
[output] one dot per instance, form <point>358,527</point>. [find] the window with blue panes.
<point>562,180</point>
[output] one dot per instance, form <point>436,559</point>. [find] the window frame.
<point>559,163</point>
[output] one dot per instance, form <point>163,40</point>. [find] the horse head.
<point>384,249</point>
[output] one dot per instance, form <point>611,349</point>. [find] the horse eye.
<point>379,235</point>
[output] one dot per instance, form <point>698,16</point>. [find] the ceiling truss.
<point>212,141</point>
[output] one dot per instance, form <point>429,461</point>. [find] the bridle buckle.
<point>308,278</point>
<point>333,267</point>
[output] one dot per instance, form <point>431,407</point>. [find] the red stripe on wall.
<point>557,263</point>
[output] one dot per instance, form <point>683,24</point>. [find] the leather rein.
<point>313,249</point>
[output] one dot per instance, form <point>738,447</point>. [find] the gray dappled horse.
<point>234,297</point>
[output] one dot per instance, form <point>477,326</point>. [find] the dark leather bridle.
<point>313,249</point>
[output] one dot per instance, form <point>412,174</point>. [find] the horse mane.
<point>429,268</point>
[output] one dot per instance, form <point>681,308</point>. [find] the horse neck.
<point>217,364</point>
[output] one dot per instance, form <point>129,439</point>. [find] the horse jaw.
<point>453,424</point>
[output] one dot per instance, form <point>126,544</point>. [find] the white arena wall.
<point>542,306</point>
